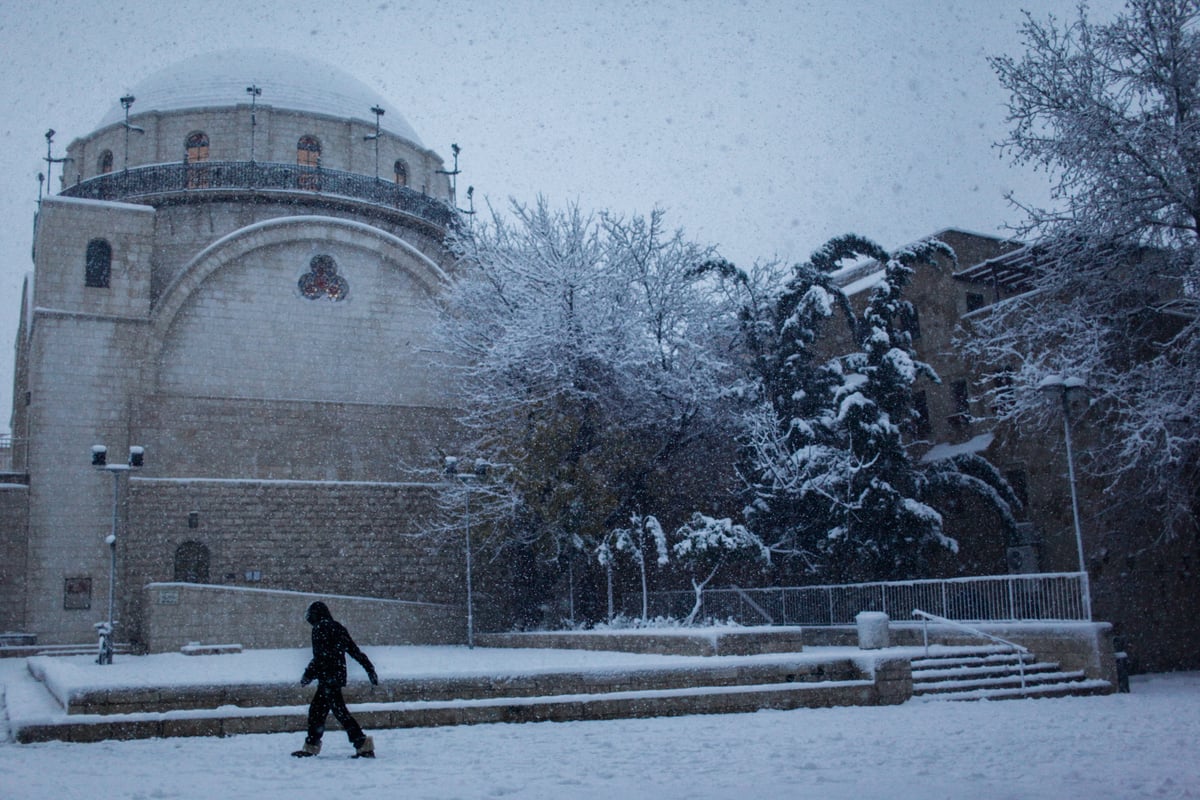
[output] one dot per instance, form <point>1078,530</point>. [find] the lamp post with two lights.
<point>450,466</point>
<point>100,462</point>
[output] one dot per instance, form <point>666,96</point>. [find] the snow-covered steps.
<point>229,721</point>
<point>996,673</point>
<point>711,687</point>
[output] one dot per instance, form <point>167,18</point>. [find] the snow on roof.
<point>943,450</point>
<point>287,81</point>
<point>862,284</point>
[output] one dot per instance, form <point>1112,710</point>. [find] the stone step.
<point>108,700</point>
<point>378,716</point>
<point>27,650</point>
<point>929,675</point>
<point>1082,688</point>
<point>1008,681</point>
<point>946,662</point>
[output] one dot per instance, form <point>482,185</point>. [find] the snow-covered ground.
<point>1139,745</point>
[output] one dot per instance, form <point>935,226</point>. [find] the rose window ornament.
<point>322,282</point>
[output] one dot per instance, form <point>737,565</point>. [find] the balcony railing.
<point>141,184</point>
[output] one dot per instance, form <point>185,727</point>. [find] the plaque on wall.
<point>77,593</point>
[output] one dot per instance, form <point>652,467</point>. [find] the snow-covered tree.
<point>884,529</point>
<point>1112,112</point>
<point>643,538</point>
<point>791,439</point>
<point>832,478</point>
<point>588,364</point>
<point>705,544</point>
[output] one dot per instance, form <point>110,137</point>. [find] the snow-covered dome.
<point>287,81</point>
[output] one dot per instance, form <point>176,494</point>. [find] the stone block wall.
<point>277,132</point>
<point>14,531</point>
<point>64,228</point>
<point>249,332</point>
<point>345,538</point>
<point>292,440</point>
<point>180,613</point>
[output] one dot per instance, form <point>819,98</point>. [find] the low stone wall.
<point>679,641</point>
<point>180,613</point>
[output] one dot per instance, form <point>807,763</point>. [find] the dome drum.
<point>162,183</point>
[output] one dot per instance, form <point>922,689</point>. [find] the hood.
<point>317,612</point>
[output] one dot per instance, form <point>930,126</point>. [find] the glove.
<point>305,681</point>
<point>373,678</point>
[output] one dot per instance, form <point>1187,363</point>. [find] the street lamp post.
<point>1067,388</point>
<point>100,462</point>
<point>378,112</point>
<point>481,468</point>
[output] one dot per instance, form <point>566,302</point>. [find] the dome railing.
<point>138,184</point>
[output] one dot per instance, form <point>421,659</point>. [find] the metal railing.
<point>1020,651</point>
<point>141,183</point>
<point>1057,596</point>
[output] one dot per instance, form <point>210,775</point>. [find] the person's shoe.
<point>365,749</point>
<point>308,750</point>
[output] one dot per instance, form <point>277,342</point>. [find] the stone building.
<point>1143,580</point>
<point>237,276</point>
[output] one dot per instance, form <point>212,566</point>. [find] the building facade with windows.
<point>237,274</point>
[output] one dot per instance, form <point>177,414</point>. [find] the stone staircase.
<point>995,672</point>
<point>783,682</point>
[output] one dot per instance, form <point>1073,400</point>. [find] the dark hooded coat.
<point>330,644</point>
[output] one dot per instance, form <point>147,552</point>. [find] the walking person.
<point>330,644</point>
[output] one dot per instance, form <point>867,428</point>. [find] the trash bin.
<point>872,630</point>
<point>1122,671</point>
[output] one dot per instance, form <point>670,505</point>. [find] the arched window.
<point>104,165</point>
<point>195,152</point>
<point>308,151</point>
<point>196,146</point>
<point>191,563</point>
<point>401,172</point>
<point>308,156</point>
<point>98,267</point>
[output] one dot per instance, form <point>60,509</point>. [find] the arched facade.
<point>268,342</point>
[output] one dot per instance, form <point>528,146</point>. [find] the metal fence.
<point>205,176</point>
<point>1054,596</point>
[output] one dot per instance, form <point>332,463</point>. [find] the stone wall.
<point>247,331</point>
<point>180,613</point>
<point>357,539</point>
<point>292,440</point>
<point>277,132</point>
<point>14,530</point>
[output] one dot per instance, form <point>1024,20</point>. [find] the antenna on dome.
<point>255,92</point>
<point>378,112</point>
<point>50,162</point>
<point>455,149</point>
<point>126,102</point>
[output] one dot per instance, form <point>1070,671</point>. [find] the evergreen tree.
<point>833,483</point>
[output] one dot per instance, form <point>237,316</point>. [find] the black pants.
<point>329,698</point>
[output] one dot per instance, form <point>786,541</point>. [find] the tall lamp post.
<point>481,469</point>
<point>1067,389</point>
<point>100,462</point>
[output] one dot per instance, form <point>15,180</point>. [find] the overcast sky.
<point>762,127</point>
